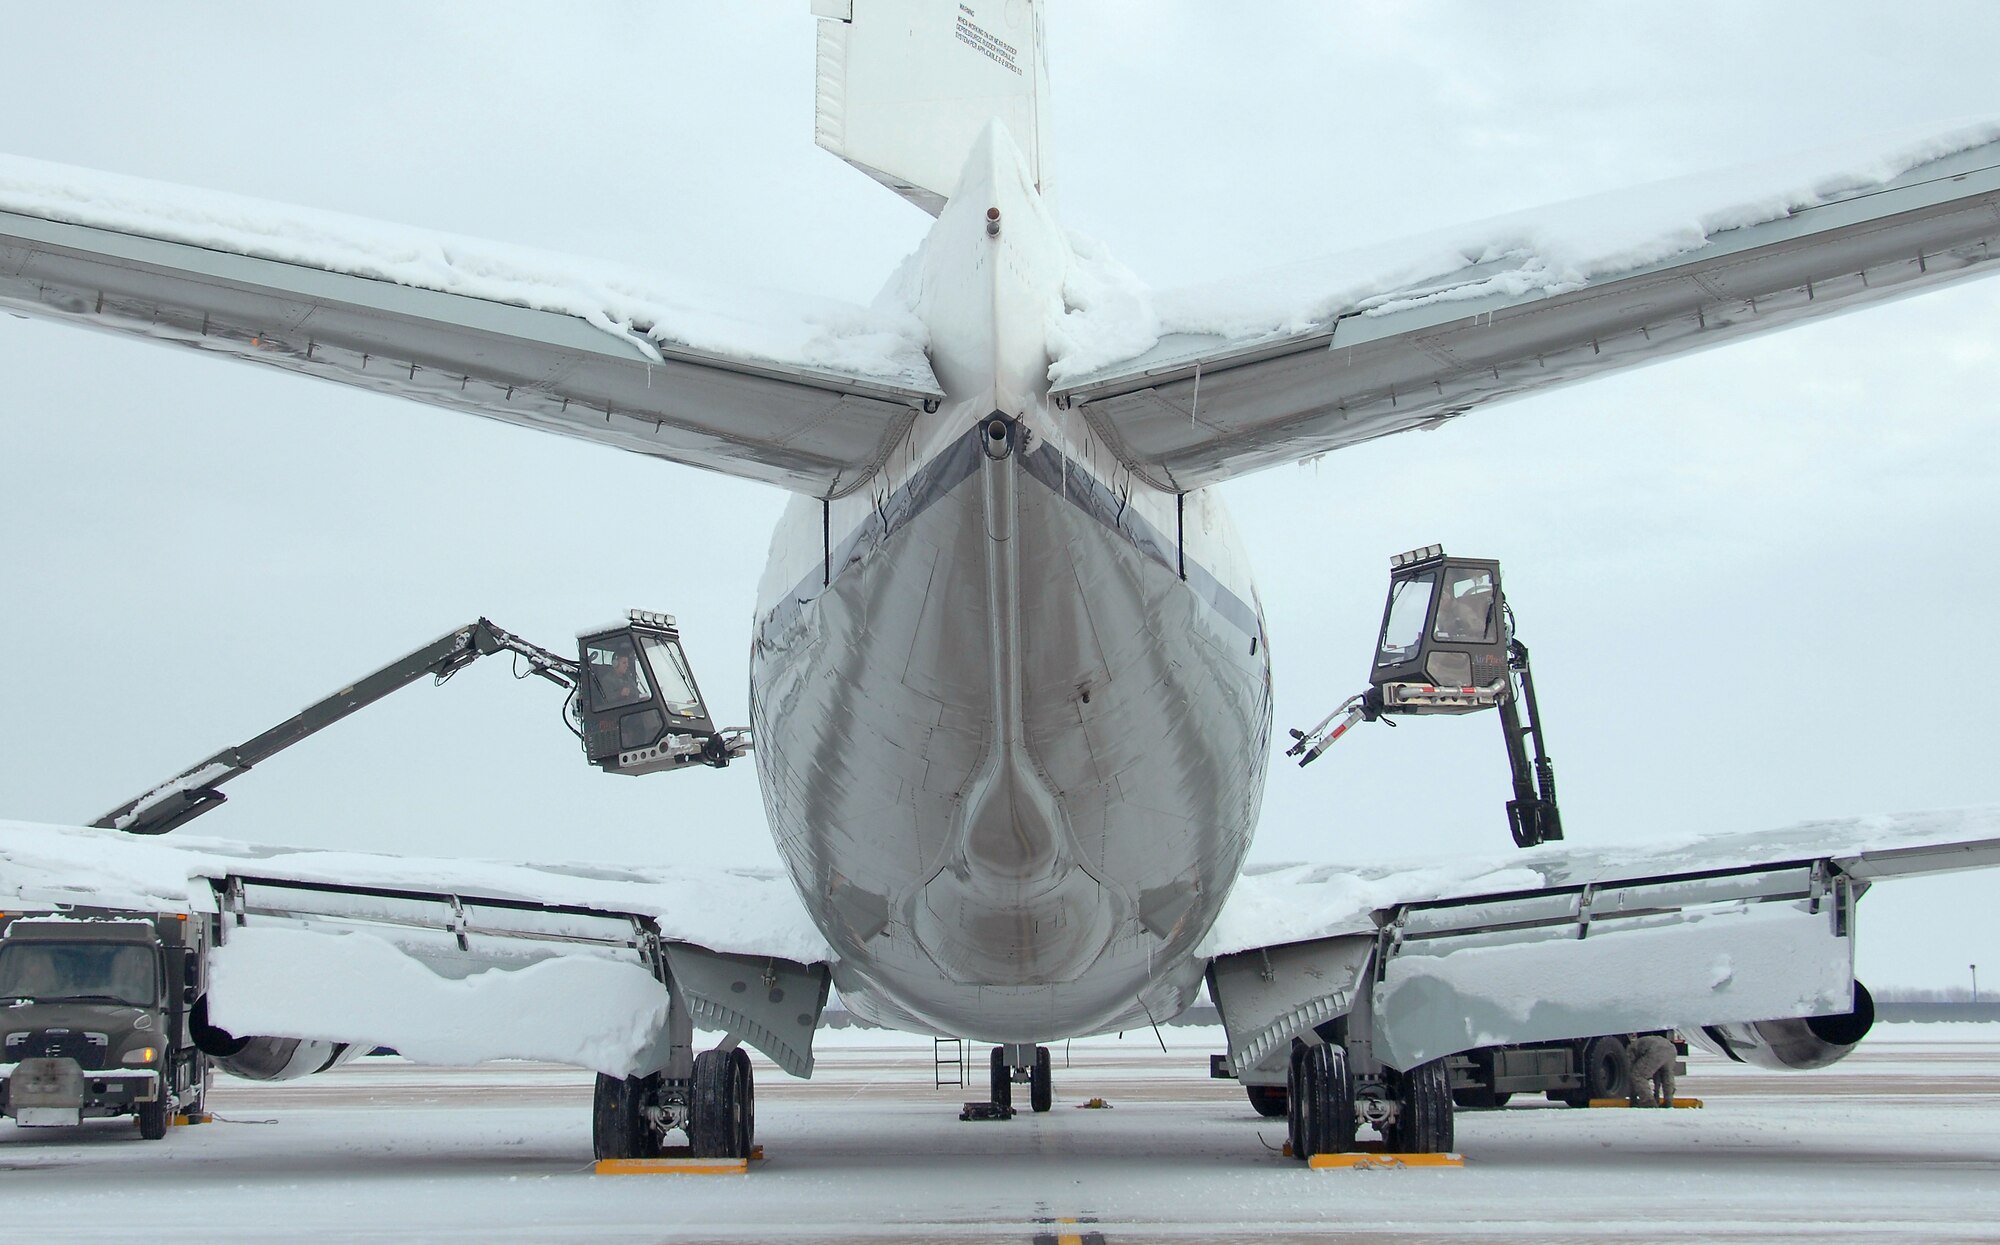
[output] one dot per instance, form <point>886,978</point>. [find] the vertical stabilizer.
<point>907,86</point>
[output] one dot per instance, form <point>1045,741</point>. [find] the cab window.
<point>614,674</point>
<point>1403,630</point>
<point>1466,614</point>
<point>676,684</point>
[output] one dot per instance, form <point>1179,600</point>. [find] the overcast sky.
<point>1755,581</point>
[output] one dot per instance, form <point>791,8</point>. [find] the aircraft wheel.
<point>619,1128</point>
<point>1425,1124</point>
<point>746,1097</point>
<point>719,1123</point>
<point>1271,1101</point>
<point>1003,1084</point>
<point>1041,1082</point>
<point>1320,1095</point>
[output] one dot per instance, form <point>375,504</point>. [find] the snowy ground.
<point>1902,1141</point>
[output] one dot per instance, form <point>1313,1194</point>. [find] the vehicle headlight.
<point>140,1055</point>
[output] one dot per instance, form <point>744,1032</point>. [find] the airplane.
<point>1011,684</point>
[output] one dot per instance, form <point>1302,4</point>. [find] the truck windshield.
<point>102,971</point>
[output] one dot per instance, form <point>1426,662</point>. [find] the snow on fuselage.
<point>1012,705</point>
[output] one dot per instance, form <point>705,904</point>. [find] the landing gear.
<point>1319,1101</point>
<point>1269,1100</point>
<point>620,1126</point>
<point>1041,1087</point>
<point>1424,1124</point>
<point>1009,1063</point>
<point>1003,1079</point>
<point>722,1118</point>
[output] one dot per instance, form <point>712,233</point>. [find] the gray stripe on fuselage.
<point>1062,475</point>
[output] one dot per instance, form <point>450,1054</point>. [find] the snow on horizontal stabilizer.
<point>906,86</point>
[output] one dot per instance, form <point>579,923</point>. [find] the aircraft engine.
<point>266,1058</point>
<point>1794,1045</point>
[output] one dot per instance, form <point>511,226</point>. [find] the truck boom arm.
<point>193,791</point>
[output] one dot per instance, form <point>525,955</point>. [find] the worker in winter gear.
<point>1652,1071</point>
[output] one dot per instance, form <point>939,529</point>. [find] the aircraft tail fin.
<point>906,86</point>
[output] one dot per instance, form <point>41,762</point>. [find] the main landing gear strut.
<point>1325,1103</point>
<point>710,1098</point>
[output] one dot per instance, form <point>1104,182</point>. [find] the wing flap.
<point>1562,942</point>
<point>1371,360</point>
<point>724,391</point>
<point>455,960</point>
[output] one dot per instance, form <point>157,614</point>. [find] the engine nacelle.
<point>265,1058</point>
<point>1794,1045</point>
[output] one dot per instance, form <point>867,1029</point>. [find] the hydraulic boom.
<point>1447,646</point>
<point>632,702</point>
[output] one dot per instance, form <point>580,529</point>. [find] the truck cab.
<point>94,1018</point>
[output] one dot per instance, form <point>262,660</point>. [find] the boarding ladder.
<point>949,1056</point>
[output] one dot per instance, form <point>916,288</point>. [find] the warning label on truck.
<point>983,41</point>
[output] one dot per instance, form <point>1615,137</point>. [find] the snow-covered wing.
<point>1196,386</point>
<point>1559,942</point>
<point>457,961</point>
<point>804,393</point>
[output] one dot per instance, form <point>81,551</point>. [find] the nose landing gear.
<point>1021,1063</point>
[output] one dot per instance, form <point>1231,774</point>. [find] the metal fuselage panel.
<point>1013,708</point>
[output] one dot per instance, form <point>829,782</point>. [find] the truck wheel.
<point>1269,1100</point>
<point>1607,1069</point>
<point>1424,1125</point>
<point>1041,1082</point>
<point>153,1117</point>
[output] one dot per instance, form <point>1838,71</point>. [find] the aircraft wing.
<point>456,961</point>
<point>1562,942</point>
<point>803,393</point>
<point>1197,386</point>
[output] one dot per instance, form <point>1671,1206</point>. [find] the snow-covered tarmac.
<point>1900,1142</point>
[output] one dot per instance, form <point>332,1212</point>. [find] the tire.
<point>618,1125</point>
<point>1002,1079</point>
<point>1295,1116</point>
<point>1607,1069</point>
<point>746,1098</point>
<point>719,1123</point>
<point>1270,1101</point>
<point>1041,1082</point>
<point>1321,1102</point>
<point>154,1116</point>
<point>1424,1126</point>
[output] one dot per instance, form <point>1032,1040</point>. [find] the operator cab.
<point>640,709</point>
<point>1447,645</point>
<point>1443,646</point>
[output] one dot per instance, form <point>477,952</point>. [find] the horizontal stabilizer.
<point>1293,363</point>
<point>805,393</point>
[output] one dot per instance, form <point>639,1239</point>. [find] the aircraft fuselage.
<point>1012,705</point>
